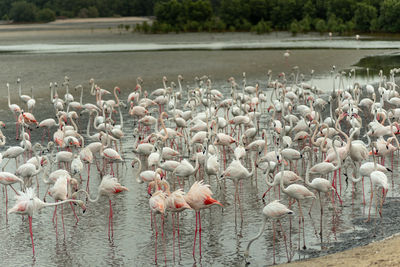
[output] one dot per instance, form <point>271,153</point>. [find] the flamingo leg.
<point>88,177</point>
<point>195,236</point>
<point>30,231</point>
<point>322,212</point>
<point>273,239</point>
<point>199,232</point>
<point>155,246</point>
<point>370,203</point>
<point>6,204</point>
<point>179,236</point>
<point>73,210</point>
<point>173,235</point>
<point>163,237</point>
<point>62,218</point>
<point>110,222</point>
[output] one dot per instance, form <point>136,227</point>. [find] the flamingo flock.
<point>183,144</point>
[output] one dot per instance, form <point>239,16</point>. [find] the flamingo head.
<point>118,89</point>
<point>43,161</point>
<point>82,205</point>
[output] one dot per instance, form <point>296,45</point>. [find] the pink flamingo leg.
<point>195,237</point>
<point>6,204</point>
<point>173,236</point>
<point>73,210</point>
<point>163,237</point>
<point>88,177</point>
<point>30,231</point>
<point>155,246</point>
<point>110,227</point>
<point>179,236</point>
<point>112,223</point>
<point>199,232</point>
<point>62,218</point>
<point>363,191</point>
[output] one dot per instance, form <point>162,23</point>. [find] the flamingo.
<point>379,180</point>
<point>298,192</point>
<point>27,203</point>
<point>274,211</point>
<point>109,187</point>
<point>7,178</point>
<point>199,197</point>
<point>158,205</point>
<point>15,109</point>
<point>60,193</point>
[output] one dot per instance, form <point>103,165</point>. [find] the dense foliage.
<point>260,16</point>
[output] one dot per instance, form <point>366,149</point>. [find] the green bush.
<point>23,11</point>
<point>320,25</point>
<point>46,15</point>
<point>305,24</point>
<point>262,27</point>
<point>295,27</point>
<point>92,12</point>
<point>146,27</point>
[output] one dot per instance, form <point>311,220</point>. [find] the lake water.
<point>116,59</point>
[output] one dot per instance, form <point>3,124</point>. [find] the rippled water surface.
<point>119,63</point>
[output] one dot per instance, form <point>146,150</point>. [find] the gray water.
<point>223,242</point>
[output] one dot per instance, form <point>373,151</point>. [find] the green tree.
<point>46,15</point>
<point>283,13</point>
<point>343,9</point>
<point>389,18</point>
<point>363,16</point>
<point>259,10</point>
<point>295,27</point>
<point>92,12</point>
<point>320,25</point>
<point>23,11</point>
<point>169,12</point>
<point>199,11</point>
<point>233,10</point>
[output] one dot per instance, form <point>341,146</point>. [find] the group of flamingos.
<point>288,130</point>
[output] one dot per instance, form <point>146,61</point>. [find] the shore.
<point>380,253</point>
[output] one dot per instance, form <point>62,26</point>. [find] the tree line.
<point>339,16</point>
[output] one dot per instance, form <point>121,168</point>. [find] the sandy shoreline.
<point>76,22</point>
<point>380,253</point>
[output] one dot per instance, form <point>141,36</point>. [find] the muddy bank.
<point>371,244</point>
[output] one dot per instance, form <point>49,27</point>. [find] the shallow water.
<point>223,242</point>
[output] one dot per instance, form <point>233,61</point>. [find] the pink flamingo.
<point>15,109</point>
<point>274,211</point>
<point>7,178</point>
<point>198,198</point>
<point>28,204</point>
<point>109,186</point>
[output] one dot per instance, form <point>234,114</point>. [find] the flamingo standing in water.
<point>158,205</point>
<point>28,204</point>
<point>7,178</point>
<point>297,192</point>
<point>198,198</point>
<point>15,109</point>
<point>109,186</point>
<point>274,211</point>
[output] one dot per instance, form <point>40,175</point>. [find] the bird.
<point>273,211</point>
<point>109,187</point>
<point>298,193</point>
<point>199,197</point>
<point>27,203</point>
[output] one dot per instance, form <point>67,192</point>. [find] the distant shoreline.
<point>78,23</point>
